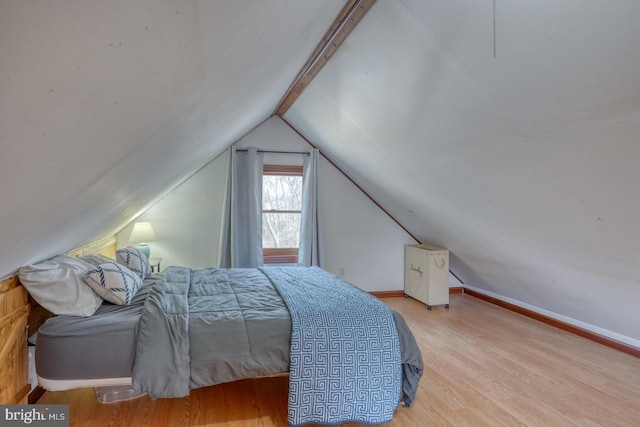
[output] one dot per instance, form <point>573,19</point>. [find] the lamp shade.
<point>142,232</point>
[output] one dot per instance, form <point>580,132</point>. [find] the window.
<point>281,213</point>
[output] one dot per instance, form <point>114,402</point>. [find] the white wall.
<point>362,244</point>
<point>187,220</point>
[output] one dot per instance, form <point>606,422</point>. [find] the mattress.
<point>100,350</point>
<point>89,351</point>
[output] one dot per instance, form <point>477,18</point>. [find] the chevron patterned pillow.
<point>114,282</point>
<point>135,260</point>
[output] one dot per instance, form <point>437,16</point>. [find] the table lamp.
<point>142,234</point>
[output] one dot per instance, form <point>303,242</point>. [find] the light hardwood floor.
<point>484,366</point>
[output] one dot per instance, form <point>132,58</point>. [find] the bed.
<point>349,357</point>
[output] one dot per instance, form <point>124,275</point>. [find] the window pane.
<point>280,230</point>
<point>283,193</point>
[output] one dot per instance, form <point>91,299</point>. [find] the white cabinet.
<point>426,274</point>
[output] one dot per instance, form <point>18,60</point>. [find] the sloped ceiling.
<point>106,105</point>
<point>513,142</point>
<point>519,153</point>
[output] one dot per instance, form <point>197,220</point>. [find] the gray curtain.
<point>241,237</point>
<point>310,252</point>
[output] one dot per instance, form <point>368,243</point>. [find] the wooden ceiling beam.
<point>348,18</point>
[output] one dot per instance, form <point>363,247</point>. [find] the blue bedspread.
<point>345,361</point>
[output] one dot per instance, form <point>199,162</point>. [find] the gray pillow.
<point>58,285</point>
<point>96,260</point>
<point>114,282</point>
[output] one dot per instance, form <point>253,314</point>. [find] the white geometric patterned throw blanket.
<point>345,362</point>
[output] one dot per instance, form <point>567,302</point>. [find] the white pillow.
<point>134,260</point>
<point>57,284</point>
<point>114,282</point>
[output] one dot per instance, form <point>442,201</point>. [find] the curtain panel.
<point>241,237</point>
<point>310,250</point>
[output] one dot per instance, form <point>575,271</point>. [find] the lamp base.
<point>144,248</point>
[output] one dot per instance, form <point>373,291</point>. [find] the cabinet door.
<point>13,346</point>
<point>416,275</point>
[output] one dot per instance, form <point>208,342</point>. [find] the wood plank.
<point>22,395</point>
<point>13,347</point>
<point>348,18</point>
<point>9,283</point>
<point>106,247</point>
<point>484,366</point>
<point>387,294</point>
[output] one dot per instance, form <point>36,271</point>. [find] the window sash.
<point>281,230</point>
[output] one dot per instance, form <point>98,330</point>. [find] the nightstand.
<point>155,263</point>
